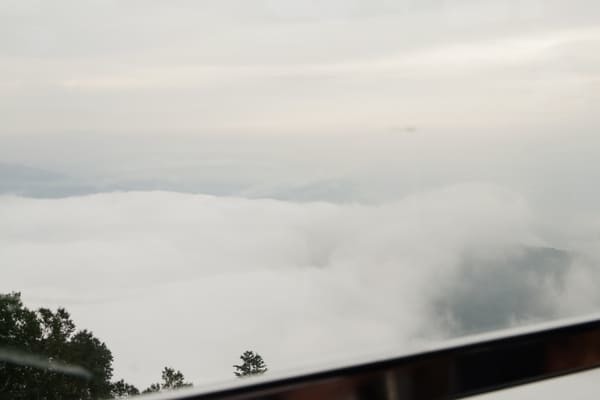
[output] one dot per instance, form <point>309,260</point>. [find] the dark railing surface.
<point>455,371</point>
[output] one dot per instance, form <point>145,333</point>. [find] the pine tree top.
<point>252,364</point>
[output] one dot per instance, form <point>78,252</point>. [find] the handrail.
<point>450,372</point>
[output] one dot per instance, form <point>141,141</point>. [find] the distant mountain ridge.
<point>504,288</point>
<point>35,182</point>
<point>28,181</point>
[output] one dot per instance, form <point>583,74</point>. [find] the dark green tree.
<point>171,379</point>
<point>252,364</point>
<point>122,390</point>
<point>93,355</point>
<point>20,333</point>
<point>155,387</point>
<point>42,356</point>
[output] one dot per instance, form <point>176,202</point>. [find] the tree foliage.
<point>171,379</point>
<point>252,364</point>
<point>43,356</point>
<point>155,387</point>
<point>122,390</point>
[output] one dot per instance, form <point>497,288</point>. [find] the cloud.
<point>194,280</point>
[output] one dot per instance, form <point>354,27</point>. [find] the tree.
<point>252,364</point>
<point>20,332</point>
<point>93,355</point>
<point>122,390</point>
<point>155,387</point>
<point>43,356</point>
<point>171,379</point>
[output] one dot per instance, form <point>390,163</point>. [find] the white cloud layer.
<point>193,280</point>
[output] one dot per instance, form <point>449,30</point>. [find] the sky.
<point>328,100</point>
<point>384,173</point>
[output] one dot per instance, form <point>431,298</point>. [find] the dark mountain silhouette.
<point>497,289</point>
<point>36,182</point>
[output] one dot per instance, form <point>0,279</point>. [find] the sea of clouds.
<point>193,280</point>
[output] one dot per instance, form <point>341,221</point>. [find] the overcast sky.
<point>289,67</point>
<point>370,165</point>
<point>270,98</point>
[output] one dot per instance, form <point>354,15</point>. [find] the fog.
<point>194,280</point>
